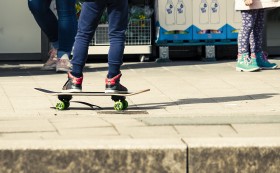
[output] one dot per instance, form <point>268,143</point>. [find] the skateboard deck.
<point>125,93</point>
<point>65,97</point>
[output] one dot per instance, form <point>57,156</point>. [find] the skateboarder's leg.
<point>118,21</point>
<point>87,24</point>
<point>113,84</point>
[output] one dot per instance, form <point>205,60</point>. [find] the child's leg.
<point>245,62</point>
<point>256,37</point>
<point>256,41</point>
<point>248,19</point>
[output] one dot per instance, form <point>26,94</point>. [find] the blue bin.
<point>232,33</point>
<point>220,33</point>
<point>164,36</point>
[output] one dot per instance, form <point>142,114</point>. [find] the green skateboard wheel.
<point>62,105</point>
<point>125,104</point>
<point>118,106</point>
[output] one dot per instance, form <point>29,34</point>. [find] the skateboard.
<point>65,97</point>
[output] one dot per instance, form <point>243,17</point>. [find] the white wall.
<point>19,32</point>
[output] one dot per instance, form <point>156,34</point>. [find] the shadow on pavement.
<point>163,105</point>
<point>34,68</point>
<point>187,101</point>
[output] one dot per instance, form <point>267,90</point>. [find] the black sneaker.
<point>113,85</point>
<point>73,84</point>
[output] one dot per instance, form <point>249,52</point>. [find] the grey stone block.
<point>93,160</point>
<point>234,160</point>
<point>234,155</point>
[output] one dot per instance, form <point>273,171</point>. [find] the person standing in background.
<point>60,30</point>
<point>251,56</point>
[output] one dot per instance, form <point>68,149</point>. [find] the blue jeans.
<point>89,18</point>
<point>61,31</point>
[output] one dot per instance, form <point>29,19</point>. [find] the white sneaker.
<point>51,63</point>
<point>63,64</point>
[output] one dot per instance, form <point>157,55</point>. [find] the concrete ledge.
<point>191,155</point>
<point>93,156</point>
<point>234,155</point>
<point>80,161</point>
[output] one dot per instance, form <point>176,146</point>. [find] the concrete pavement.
<point>198,117</point>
